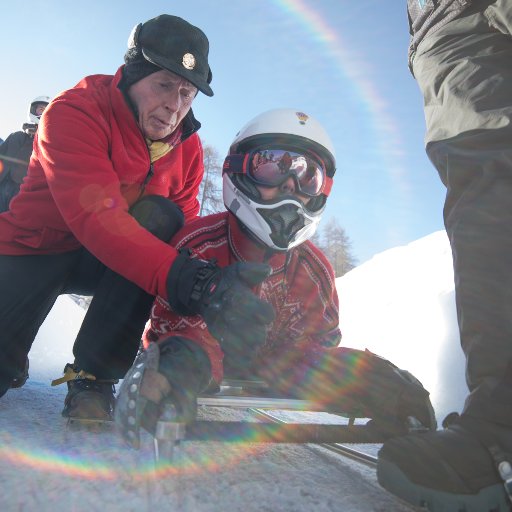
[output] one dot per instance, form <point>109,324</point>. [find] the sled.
<point>255,395</point>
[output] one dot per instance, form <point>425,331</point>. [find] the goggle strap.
<point>235,163</point>
<point>327,185</point>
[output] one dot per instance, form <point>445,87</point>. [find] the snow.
<point>399,304</point>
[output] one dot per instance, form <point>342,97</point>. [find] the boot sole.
<point>489,499</point>
<point>89,425</point>
<point>89,421</point>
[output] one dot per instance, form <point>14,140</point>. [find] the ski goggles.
<point>270,167</point>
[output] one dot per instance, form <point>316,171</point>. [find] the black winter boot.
<point>465,468</point>
<point>88,398</point>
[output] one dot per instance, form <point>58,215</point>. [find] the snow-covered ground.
<point>399,305</point>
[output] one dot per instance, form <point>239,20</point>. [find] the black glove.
<point>359,384</point>
<point>174,371</point>
<point>223,297</point>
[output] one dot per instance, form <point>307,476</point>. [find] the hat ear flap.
<point>134,36</point>
<point>209,79</point>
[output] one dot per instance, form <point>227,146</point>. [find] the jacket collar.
<point>247,249</point>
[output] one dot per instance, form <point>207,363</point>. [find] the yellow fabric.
<point>157,149</point>
<point>70,374</point>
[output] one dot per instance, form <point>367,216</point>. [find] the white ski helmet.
<point>269,139</point>
<point>40,100</point>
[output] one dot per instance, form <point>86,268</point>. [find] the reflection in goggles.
<point>271,167</point>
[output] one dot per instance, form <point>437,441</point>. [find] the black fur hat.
<point>168,42</point>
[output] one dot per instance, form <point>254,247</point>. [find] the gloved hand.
<point>175,371</point>
<point>359,384</point>
<point>223,297</point>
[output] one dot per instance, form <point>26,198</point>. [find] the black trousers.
<point>464,73</point>
<point>110,334</point>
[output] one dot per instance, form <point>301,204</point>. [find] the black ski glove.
<point>174,371</point>
<point>359,384</point>
<point>223,297</point>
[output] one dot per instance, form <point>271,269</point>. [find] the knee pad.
<point>159,215</point>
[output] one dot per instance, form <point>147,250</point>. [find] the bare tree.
<point>317,240</point>
<point>210,190</point>
<point>336,245</point>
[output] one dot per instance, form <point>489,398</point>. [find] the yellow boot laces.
<point>70,374</point>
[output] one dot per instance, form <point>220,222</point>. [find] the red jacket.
<point>90,163</point>
<point>301,289</point>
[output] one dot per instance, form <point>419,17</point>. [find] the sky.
<point>407,291</point>
<point>343,62</point>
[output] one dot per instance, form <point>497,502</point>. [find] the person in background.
<point>15,153</point>
<point>271,217</point>
<point>115,171</point>
<point>460,55</point>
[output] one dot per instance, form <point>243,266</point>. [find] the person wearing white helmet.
<point>115,172</point>
<point>276,181</point>
<point>15,152</point>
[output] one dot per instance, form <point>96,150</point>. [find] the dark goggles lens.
<point>271,167</point>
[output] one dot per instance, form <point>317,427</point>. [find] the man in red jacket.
<point>272,213</point>
<point>115,171</point>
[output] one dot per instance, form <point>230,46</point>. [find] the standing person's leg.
<point>468,107</point>
<point>109,337</point>
<point>29,286</point>
<point>465,76</point>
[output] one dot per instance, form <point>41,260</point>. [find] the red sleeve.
<point>164,323</point>
<point>73,148</point>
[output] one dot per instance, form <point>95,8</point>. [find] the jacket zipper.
<point>147,179</point>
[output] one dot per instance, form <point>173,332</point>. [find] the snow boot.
<point>465,468</point>
<point>89,399</point>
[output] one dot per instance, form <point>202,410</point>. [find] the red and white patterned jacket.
<point>301,290</point>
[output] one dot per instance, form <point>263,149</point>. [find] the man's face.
<point>162,100</point>
<point>40,107</point>
<point>287,188</point>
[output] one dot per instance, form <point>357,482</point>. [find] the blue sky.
<point>343,62</point>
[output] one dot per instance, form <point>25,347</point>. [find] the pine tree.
<point>336,245</point>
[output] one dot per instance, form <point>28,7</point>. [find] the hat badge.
<point>188,61</point>
<point>302,117</point>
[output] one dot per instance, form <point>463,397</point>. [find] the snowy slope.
<point>401,305</point>
<point>45,466</point>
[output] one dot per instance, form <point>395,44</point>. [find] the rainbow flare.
<point>387,139</point>
<point>389,145</point>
